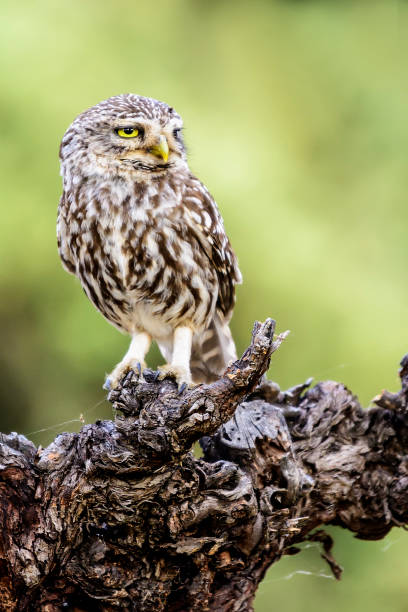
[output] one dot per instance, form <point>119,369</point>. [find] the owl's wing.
<point>208,227</point>
<point>63,239</point>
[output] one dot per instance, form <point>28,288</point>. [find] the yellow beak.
<point>161,149</point>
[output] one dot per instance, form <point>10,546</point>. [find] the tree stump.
<point>123,516</point>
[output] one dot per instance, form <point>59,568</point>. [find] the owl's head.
<point>127,135</point>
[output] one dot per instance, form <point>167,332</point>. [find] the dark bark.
<point>123,516</point>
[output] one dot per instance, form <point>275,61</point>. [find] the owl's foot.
<point>113,379</point>
<point>181,375</point>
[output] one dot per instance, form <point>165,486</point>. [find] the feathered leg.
<point>179,368</point>
<point>133,360</point>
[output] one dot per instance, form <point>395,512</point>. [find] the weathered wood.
<point>123,516</point>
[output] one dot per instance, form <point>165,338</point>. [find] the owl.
<point>146,240</point>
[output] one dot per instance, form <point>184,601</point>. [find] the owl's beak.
<point>161,149</point>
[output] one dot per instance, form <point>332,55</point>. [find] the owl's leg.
<point>133,360</point>
<point>179,368</point>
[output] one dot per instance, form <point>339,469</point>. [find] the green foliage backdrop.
<point>296,119</point>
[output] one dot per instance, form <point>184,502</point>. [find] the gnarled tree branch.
<point>123,516</point>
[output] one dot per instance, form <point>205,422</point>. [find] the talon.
<point>123,373</point>
<point>150,376</point>
<point>182,388</point>
<point>180,374</point>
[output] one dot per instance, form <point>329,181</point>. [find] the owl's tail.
<point>212,352</point>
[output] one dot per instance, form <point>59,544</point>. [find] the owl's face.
<point>126,135</point>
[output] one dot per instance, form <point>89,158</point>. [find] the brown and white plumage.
<point>145,237</point>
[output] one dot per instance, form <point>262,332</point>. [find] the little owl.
<point>146,239</point>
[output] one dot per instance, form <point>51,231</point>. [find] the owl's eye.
<point>127,132</point>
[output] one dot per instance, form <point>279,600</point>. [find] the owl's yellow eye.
<point>127,132</point>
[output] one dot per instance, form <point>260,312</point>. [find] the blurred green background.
<point>296,120</point>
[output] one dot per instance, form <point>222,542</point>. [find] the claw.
<point>182,388</point>
<point>150,376</point>
<point>180,374</point>
<point>123,372</point>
